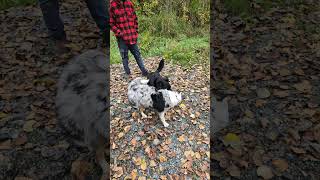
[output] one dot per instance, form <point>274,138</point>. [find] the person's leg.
<point>99,12</point>
<point>134,49</point>
<point>123,48</point>
<point>51,16</point>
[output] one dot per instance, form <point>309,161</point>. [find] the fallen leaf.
<point>263,93</point>
<point>280,164</point>
<point>182,106</point>
<point>118,172</point>
<point>303,86</point>
<point>234,171</point>
<point>265,172</point>
<point>298,150</point>
<point>153,163</point>
<point>127,128</point>
<point>163,177</point>
<point>5,145</point>
<point>133,142</point>
<point>231,139</point>
<point>181,138</point>
<point>28,126</point>
<point>142,178</point>
<point>162,158</point>
<point>134,174</point>
<point>120,135</point>
<point>143,165</point>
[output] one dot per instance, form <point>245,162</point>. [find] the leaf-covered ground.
<point>141,147</point>
<point>30,143</point>
<point>270,72</point>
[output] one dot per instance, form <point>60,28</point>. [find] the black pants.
<point>50,10</point>
<point>134,49</point>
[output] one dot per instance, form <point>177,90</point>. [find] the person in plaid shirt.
<point>124,24</point>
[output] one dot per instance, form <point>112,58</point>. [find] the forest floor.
<point>269,70</point>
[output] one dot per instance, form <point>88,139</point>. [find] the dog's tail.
<point>161,65</point>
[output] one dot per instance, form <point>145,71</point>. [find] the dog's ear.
<point>166,78</point>
<point>158,101</point>
<point>160,85</point>
<point>161,65</point>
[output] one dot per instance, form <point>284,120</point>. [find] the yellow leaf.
<point>153,163</point>
<point>182,106</point>
<point>134,174</point>
<point>120,135</point>
<point>143,165</point>
<point>137,161</point>
<point>181,138</point>
<point>3,115</point>
<point>201,126</point>
<point>231,139</point>
<point>197,154</point>
<point>189,154</point>
<point>162,158</point>
<point>142,178</point>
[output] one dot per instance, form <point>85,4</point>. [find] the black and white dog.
<point>140,94</point>
<point>156,80</point>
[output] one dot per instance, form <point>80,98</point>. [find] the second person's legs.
<point>134,49</point>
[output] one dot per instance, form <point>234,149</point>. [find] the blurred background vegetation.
<point>177,30</point>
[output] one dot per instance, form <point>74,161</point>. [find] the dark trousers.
<point>124,52</point>
<point>51,16</point>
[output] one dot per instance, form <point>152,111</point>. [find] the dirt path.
<point>142,147</point>
<point>30,143</point>
<point>270,72</point>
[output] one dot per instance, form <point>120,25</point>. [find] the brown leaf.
<point>257,157</point>
<point>233,171</point>
<point>22,178</point>
<point>118,172</point>
<point>127,128</point>
<point>281,94</point>
<point>5,145</point>
<point>133,142</point>
<point>298,150</point>
<point>280,164</point>
<point>303,86</point>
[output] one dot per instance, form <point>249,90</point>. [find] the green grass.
<point>5,4</point>
<point>182,50</point>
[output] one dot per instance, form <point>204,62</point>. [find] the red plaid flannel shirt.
<point>124,21</point>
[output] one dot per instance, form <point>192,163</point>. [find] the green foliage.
<point>170,18</point>
<point>4,4</point>
<point>185,50</point>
